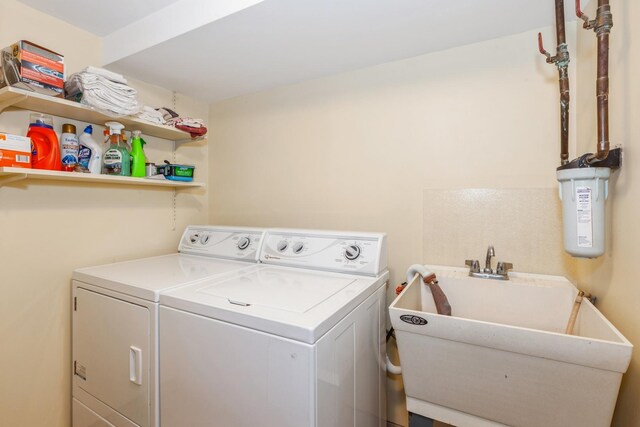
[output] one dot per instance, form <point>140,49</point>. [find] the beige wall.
<point>354,151</point>
<point>357,150</point>
<point>47,229</point>
<point>614,277</point>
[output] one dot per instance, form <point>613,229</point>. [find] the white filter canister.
<point>583,192</point>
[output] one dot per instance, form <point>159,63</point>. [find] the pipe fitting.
<point>562,56</point>
<point>604,20</point>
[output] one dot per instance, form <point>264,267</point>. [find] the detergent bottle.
<point>138,159</point>
<point>45,148</point>
<point>90,152</point>
<point>117,160</point>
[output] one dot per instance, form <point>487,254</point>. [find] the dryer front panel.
<point>111,343</point>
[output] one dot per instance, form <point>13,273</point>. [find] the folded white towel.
<point>103,94</point>
<point>109,75</point>
<point>151,115</point>
<point>186,121</point>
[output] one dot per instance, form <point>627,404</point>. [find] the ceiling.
<point>213,50</point>
<point>98,16</point>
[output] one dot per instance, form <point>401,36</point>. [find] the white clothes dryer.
<point>296,341</point>
<point>115,322</point>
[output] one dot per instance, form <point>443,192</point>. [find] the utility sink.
<point>503,358</point>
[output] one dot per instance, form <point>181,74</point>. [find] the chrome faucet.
<point>487,264</point>
<point>501,272</point>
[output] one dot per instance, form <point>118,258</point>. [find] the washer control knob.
<point>352,252</point>
<point>244,243</point>
<point>193,239</point>
<point>282,245</point>
<point>204,239</point>
<point>298,247</point>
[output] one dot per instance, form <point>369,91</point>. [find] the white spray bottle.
<point>90,154</point>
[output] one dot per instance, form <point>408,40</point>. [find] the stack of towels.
<point>103,90</point>
<point>151,115</point>
<point>195,127</point>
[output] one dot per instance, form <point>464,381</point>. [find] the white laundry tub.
<point>503,357</point>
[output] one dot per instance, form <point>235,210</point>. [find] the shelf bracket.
<point>11,101</point>
<point>4,180</point>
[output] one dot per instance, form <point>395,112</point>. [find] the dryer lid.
<point>145,278</point>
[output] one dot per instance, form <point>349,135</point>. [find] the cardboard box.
<point>26,65</point>
<point>15,151</point>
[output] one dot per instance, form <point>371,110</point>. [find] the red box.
<point>26,65</point>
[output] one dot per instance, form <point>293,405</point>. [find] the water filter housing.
<point>583,192</point>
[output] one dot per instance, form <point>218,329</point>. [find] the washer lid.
<point>289,302</point>
<point>145,278</point>
<point>294,291</point>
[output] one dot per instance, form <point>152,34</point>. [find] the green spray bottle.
<point>138,159</point>
<point>116,160</point>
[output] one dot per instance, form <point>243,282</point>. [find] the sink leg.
<point>416,420</point>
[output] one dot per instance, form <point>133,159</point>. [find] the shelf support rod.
<point>4,180</point>
<point>174,201</point>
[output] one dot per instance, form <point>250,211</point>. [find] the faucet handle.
<point>503,267</point>
<point>474,265</point>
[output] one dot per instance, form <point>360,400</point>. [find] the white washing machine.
<point>296,341</point>
<point>115,322</point>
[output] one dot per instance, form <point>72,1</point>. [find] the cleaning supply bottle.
<point>106,143</point>
<point>69,147</point>
<point>138,159</point>
<point>90,153</point>
<point>117,160</point>
<point>107,140</point>
<point>125,142</point>
<point>45,149</point>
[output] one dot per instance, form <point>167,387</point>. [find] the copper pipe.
<point>602,27</point>
<point>564,113</point>
<point>561,60</point>
<point>560,34</point>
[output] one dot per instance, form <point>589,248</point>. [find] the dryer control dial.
<point>352,252</point>
<point>298,247</point>
<point>244,243</point>
<point>193,239</point>
<point>204,239</point>
<point>282,245</point>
